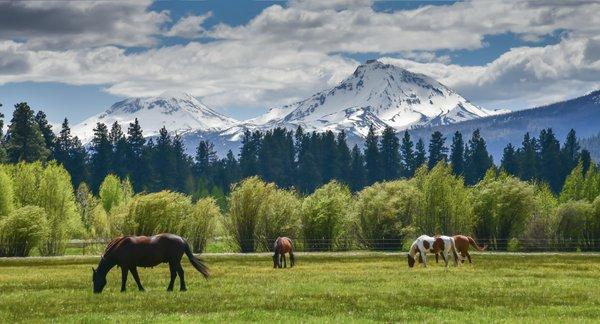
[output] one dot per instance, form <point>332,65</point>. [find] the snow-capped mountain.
<point>179,112</point>
<point>375,94</point>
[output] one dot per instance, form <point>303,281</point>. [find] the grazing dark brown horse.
<point>130,252</point>
<point>282,246</point>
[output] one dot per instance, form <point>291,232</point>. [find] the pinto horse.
<point>282,246</point>
<point>130,252</point>
<point>425,243</point>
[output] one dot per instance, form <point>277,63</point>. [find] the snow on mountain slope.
<point>179,112</point>
<point>376,93</point>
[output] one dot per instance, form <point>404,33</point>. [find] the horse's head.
<point>411,260</point>
<point>98,280</point>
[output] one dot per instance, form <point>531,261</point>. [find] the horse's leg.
<point>445,257</point>
<point>173,269</point>
<point>292,261</point>
<point>469,256</point>
<point>424,256</point>
<point>436,257</point>
<point>463,256</point>
<point>124,271</point>
<point>284,260</point>
<point>181,277</point>
<point>136,277</point>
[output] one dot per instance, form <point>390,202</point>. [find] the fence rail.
<point>230,245</point>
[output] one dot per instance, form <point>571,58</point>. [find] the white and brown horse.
<point>439,244</point>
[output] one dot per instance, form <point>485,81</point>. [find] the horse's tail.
<point>197,263</point>
<point>477,247</point>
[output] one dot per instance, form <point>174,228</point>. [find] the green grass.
<point>342,287</point>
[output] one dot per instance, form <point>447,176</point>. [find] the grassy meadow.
<point>348,287</point>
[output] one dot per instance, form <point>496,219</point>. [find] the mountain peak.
<point>378,94</point>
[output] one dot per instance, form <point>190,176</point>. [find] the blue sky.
<point>243,57</point>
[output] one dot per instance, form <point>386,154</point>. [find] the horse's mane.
<point>112,244</point>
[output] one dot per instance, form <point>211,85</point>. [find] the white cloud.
<point>189,26</point>
<point>287,53</point>
<point>530,75</point>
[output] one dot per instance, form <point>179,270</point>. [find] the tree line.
<point>290,159</point>
<point>39,210</point>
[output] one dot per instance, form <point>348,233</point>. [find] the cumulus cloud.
<point>288,52</point>
<point>73,24</point>
<point>189,27</point>
<point>534,75</point>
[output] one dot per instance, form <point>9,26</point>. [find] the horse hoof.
<point>169,289</point>
<point>184,289</point>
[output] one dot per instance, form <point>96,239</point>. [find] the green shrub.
<point>86,204</point>
<point>22,230</point>
<point>199,225</point>
<point>100,226</point>
<point>114,192</point>
<point>513,245</point>
<point>55,195</point>
<point>574,230</point>
<point>26,182</point>
<point>325,213</point>
<point>245,204</point>
<point>383,210</point>
<point>447,208</point>
<point>6,194</point>
<point>279,216</point>
<point>161,212</point>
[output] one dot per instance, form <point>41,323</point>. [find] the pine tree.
<point>457,154</point>
<point>184,181</point>
<point>249,153</point>
<point>232,171</point>
<point>206,157</point>
<point>389,154</point>
<point>477,159</point>
<point>164,165</point>
<point>46,130</point>
<point>357,170</point>
<point>528,158</point>
<point>344,159</point>
<point>586,160</point>
<point>69,152</point>
<point>510,160</point>
<point>328,156</point>
<point>407,156</point>
<point>119,161</point>
<point>137,164</point>
<point>569,154</point>
<point>101,155</point>
<point>437,150</point>
<point>420,157</point>
<point>550,164</point>
<point>25,140</point>
<point>372,160</point>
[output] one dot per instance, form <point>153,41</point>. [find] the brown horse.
<point>282,246</point>
<point>130,252</point>
<point>462,243</point>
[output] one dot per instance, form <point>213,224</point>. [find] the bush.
<point>199,226</point>
<point>100,226</point>
<point>541,227</point>
<point>26,182</point>
<point>55,195</point>
<point>161,212</point>
<point>513,245</point>
<point>573,228</point>
<point>114,192</point>
<point>23,230</point>
<point>6,194</point>
<point>86,204</point>
<point>245,205</point>
<point>279,216</point>
<point>324,215</point>
<point>447,208</point>
<point>383,210</point>
<point>503,206</point>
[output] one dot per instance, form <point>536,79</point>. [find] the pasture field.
<point>328,287</point>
